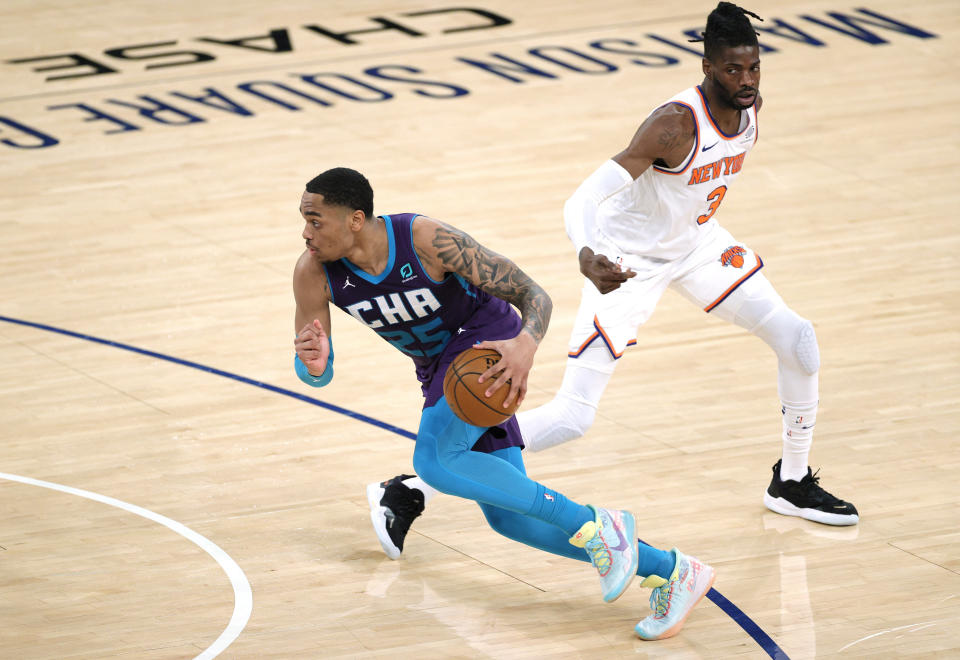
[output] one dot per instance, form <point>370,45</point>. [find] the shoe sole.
<point>675,628</point>
<point>783,507</point>
<point>379,520</point>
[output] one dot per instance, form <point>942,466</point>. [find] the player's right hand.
<point>513,367</point>
<point>313,347</point>
<point>605,275</point>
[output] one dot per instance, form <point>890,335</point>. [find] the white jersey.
<point>666,212</point>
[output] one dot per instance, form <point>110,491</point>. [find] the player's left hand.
<point>516,360</point>
<point>605,275</point>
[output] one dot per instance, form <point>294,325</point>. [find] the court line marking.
<point>764,640</point>
<point>226,374</point>
<point>910,628</point>
<point>242,594</point>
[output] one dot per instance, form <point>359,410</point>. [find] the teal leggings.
<point>443,458</point>
<point>515,506</point>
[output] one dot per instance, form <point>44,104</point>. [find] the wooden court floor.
<point>171,490</point>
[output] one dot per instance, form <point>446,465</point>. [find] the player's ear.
<point>706,67</point>
<point>357,219</point>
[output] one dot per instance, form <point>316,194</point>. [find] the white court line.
<point>242,595</point>
<point>924,624</point>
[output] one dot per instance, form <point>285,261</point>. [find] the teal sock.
<point>552,507</point>
<point>654,561</point>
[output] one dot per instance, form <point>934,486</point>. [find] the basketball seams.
<point>460,381</point>
<point>481,399</point>
<point>458,371</point>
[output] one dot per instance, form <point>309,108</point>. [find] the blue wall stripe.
<point>731,610</point>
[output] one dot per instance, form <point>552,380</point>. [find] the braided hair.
<point>728,27</point>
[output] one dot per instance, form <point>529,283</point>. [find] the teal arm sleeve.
<point>310,379</point>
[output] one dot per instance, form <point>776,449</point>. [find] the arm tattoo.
<point>459,253</point>
<point>669,138</point>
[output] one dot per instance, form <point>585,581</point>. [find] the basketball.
<point>465,395</point>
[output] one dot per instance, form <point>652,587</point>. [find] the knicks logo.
<point>733,256</point>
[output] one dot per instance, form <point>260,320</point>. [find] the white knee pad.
<point>807,350</point>
<point>792,338</point>
<point>574,413</point>
<point>566,417</point>
<point>573,409</point>
<point>757,307</point>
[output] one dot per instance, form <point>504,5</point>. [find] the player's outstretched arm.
<point>446,249</point>
<point>312,317</point>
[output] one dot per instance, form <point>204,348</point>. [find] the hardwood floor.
<point>151,157</point>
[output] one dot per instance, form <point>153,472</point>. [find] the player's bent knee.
<point>428,468</point>
<point>792,338</point>
<point>565,418</point>
<point>572,415</point>
<point>579,416</point>
<point>503,522</point>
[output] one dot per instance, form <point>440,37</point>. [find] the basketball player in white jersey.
<point>644,222</point>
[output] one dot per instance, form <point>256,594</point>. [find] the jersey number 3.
<point>714,198</point>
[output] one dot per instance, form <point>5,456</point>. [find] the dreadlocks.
<point>728,27</point>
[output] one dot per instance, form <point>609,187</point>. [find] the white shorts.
<point>706,276</point>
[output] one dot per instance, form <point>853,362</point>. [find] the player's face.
<point>327,230</point>
<point>736,74</point>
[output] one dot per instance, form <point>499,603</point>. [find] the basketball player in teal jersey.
<point>644,222</point>
<point>431,291</point>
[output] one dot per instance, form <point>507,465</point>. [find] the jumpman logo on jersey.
<point>347,282</point>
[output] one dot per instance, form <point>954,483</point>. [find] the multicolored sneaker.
<point>611,543</point>
<point>806,499</point>
<point>393,507</point>
<point>672,600</point>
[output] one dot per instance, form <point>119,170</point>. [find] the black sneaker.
<point>393,507</point>
<point>805,498</point>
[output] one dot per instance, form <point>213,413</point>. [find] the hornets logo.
<point>733,256</point>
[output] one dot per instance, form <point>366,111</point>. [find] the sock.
<point>798,422</point>
<point>798,402</point>
<point>552,507</point>
<point>419,484</point>
<point>545,536</point>
<point>654,561</point>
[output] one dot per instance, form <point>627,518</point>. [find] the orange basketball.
<point>465,395</point>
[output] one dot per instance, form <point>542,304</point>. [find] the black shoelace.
<point>811,489</point>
